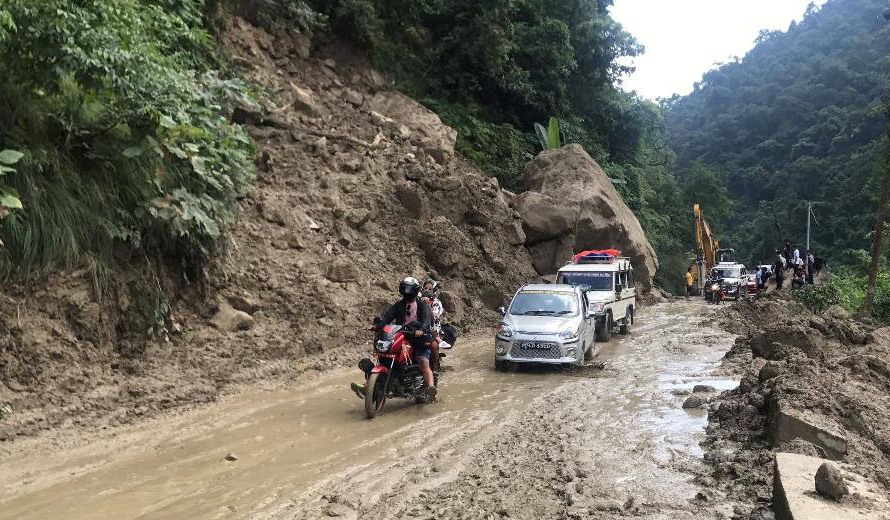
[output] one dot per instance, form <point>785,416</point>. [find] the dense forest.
<point>799,118</point>
<point>117,116</point>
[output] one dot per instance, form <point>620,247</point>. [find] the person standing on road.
<point>690,282</point>
<point>811,266</point>
<point>765,275</point>
<point>758,278</point>
<point>779,270</point>
<point>789,251</point>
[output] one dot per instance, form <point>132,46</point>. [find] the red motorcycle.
<point>394,374</point>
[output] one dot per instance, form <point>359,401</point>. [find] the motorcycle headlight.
<point>505,331</point>
<point>382,345</point>
<point>715,287</point>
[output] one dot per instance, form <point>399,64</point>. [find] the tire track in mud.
<point>603,444</point>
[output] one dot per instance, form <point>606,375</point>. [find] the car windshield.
<point>544,303</point>
<point>588,280</point>
<point>725,272</point>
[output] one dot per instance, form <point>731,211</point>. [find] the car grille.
<point>535,350</point>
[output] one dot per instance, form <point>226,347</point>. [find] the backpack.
<point>449,333</point>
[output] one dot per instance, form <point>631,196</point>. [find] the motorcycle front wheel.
<point>375,396</point>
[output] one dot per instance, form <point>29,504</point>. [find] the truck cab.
<point>608,282</point>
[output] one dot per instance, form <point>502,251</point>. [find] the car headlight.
<point>505,331</point>
<point>597,307</point>
<point>500,349</point>
<point>570,352</point>
<point>569,334</point>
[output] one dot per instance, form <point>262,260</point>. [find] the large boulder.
<point>543,218</point>
<point>573,183</point>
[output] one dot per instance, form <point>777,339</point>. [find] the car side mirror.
<point>502,310</point>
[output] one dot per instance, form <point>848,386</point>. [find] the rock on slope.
<point>572,206</point>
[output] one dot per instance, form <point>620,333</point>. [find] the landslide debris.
<point>573,206</point>
<point>358,186</point>
<point>816,385</point>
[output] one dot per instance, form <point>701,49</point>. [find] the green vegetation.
<point>797,119</point>
<point>120,110</point>
<point>549,137</point>
<point>846,287</point>
<point>9,197</point>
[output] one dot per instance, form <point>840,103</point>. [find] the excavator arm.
<point>706,245</point>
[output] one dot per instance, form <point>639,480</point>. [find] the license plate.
<point>537,345</point>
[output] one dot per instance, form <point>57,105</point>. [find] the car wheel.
<point>626,324</point>
<point>604,333</point>
<point>588,354</point>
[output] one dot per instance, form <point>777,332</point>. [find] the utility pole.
<point>809,214</point>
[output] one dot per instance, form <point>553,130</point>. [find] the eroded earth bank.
<point>606,441</point>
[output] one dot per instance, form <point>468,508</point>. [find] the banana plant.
<point>550,136</point>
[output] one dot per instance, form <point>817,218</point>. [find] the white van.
<point>608,282</point>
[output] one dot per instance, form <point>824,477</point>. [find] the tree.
<point>883,167</point>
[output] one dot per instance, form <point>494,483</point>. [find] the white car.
<point>608,282</point>
<point>546,323</point>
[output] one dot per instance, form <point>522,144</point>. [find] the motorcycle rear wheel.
<point>375,397</point>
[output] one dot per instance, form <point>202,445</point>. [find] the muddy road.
<point>610,440</point>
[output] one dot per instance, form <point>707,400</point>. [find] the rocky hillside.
<point>358,186</point>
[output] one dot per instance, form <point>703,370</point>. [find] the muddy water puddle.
<point>282,439</point>
<point>294,445</point>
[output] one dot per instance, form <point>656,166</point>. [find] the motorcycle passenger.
<point>430,295</point>
<point>413,309</point>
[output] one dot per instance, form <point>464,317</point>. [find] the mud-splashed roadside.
<point>613,445</point>
<point>537,443</point>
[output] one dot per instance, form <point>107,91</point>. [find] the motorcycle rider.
<point>411,309</point>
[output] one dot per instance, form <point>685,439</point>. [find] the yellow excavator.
<point>708,251</point>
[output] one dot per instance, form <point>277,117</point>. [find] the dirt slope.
<point>358,187</point>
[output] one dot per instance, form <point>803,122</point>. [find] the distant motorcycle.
<point>714,292</point>
<point>394,374</point>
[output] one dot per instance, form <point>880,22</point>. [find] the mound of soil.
<point>831,370</point>
<point>358,187</point>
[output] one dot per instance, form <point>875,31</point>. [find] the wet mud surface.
<point>606,441</point>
